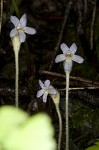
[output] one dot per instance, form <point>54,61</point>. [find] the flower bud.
<point>56,98</point>
<point>16,43</point>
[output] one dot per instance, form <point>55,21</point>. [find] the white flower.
<point>68,56</point>
<point>21,28</point>
<point>46,89</point>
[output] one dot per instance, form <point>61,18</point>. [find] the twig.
<point>80,31</point>
<point>92,83</point>
<point>92,25</point>
<point>85,7</point>
<point>52,73</point>
<point>80,88</point>
<point>1,14</point>
<point>80,15</point>
<point>61,33</point>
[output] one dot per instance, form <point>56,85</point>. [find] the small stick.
<point>1,14</point>
<point>85,7</point>
<point>80,88</point>
<point>92,25</point>
<point>67,10</point>
<point>71,77</point>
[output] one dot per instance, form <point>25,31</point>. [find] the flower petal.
<point>29,30</point>
<point>77,59</point>
<point>53,91</point>
<point>40,93</point>
<point>14,20</point>
<point>68,65</point>
<point>23,21</point>
<point>60,58</point>
<point>64,48</point>
<point>22,36</point>
<point>41,84</point>
<point>13,32</point>
<point>45,97</point>
<point>73,48</point>
<point>47,83</point>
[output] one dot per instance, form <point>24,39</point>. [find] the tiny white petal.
<point>13,32</point>
<point>53,91</point>
<point>40,93</point>
<point>41,84</point>
<point>45,97</point>
<point>77,59</point>
<point>51,87</point>
<point>14,20</point>
<point>60,58</point>
<point>23,21</point>
<point>47,83</point>
<point>64,48</point>
<point>22,36</point>
<point>29,30</point>
<point>68,65</point>
<point>73,48</point>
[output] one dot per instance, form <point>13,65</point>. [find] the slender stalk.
<point>67,116</point>
<point>16,47</point>
<point>60,126</point>
<point>56,100</point>
<point>16,79</point>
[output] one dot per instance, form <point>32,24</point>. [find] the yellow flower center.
<point>19,28</point>
<point>68,55</point>
<point>47,91</point>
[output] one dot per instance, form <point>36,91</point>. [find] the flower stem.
<point>56,100</point>
<point>60,126</point>
<point>67,116</point>
<point>16,79</point>
<point>16,47</point>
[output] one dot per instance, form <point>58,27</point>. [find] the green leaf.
<point>10,118</point>
<point>94,147</point>
<point>29,133</point>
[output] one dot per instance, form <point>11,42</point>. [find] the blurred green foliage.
<point>94,147</point>
<point>13,4</point>
<point>19,131</point>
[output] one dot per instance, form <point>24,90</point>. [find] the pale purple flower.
<point>46,89</point>
<point>21,28</point>
<point>68,56</point>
